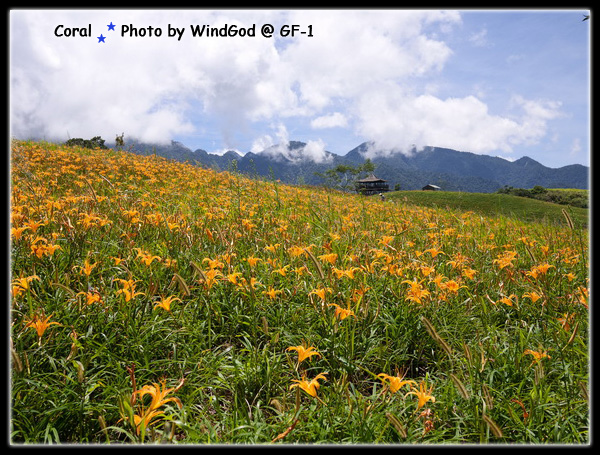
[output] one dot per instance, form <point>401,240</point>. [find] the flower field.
<point>158,302</point>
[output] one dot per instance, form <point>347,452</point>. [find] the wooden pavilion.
<point>372,185</point>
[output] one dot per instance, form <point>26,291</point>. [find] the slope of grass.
<point>562,196</point>
<point>156,302</point>
<point>494,205</point>
<point>569,196</point>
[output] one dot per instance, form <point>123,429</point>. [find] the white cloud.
<point>279,144</point>
<point>575,147</point>
<point>398,122</point>
<point>375,68</point>
<point>358,50</point>
<point>223,151</point>
<point>507,158</point>
<point>236,80</point>
<point>514,58</point>
<point>143,86</point>
<point>261,143</point>
<point>280,148</point>
<point>152,88</point>
<point>479,38</point>
<point>337,119</point>
<point>315,151</point>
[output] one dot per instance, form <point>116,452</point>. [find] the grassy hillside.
<point>564,196</point>
<point>494,204</point>
<point>157,302</point>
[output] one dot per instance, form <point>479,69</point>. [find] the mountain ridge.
<point>299,163</point>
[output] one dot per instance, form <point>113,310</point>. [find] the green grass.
<point>486,315</point>
<point>570,190</point>
<point>494,204</point>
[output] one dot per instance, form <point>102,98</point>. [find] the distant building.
<point>430,187</point>
<point>372,185</point>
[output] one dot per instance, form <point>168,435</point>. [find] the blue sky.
<point>504,83</point>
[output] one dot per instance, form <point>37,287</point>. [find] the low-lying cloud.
<point>280,148</point>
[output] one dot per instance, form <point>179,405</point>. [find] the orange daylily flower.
<point>583,295</point>
<point>41,247</point>
<point>252,283</point>
<point>213,263</point>
<point>565,320</point>
<point>282,270</point>
<point>508,300</point>
<point>296,251</point>
<point>88,220</point>
<point>320,292</point>
<point>505,259</point>
<point>537,355</point>
<point>426,270</point>
<point>451,286</point>
<point>348,273</point>
<point>469,273</point>
<point>17,232</point>
<point>534,296</point>
<point>165,302</point>
<point>299,271</point>
<point>22,284</point>
<point>87,267</point>
<point>35,225</point>
<point>128,289</point>
<point>117,260</point>
<point>416,292</point>
<point>91,297</point>
<point>233,278</point>
<point>543,268</point>
<point>311,386</point>
<point>422,394</point>
<point>434,252</point>
<point>386,240</point>
<point>272,293</point>
<point>331,258</point>
<point>395,382</point>
<point>210,278</point>
<point>39,324</point>
<point>272,248</point>
<point>158,392</point>
<point>253,261</point>
<point>342,313</point>
<point>146,257</point>
<point>304,352</point>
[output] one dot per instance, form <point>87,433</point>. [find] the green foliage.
<point>95,142</point>
<point>343,176</point>
<point>120,141</point>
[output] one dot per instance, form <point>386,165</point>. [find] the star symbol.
<point>101,38</point>
<point>111,26</point>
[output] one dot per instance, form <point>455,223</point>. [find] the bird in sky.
<point>585,18</point>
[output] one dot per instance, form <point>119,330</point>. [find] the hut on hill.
<point>430,187</point>
<point>372,185</point>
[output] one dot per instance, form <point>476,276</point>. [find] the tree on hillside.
<point>120,141</point>
<point>95,142</point>
<point>343,176</point>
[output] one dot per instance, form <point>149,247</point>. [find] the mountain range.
<point>451,170</point>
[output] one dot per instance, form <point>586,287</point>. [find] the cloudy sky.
<point>505,83</point>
